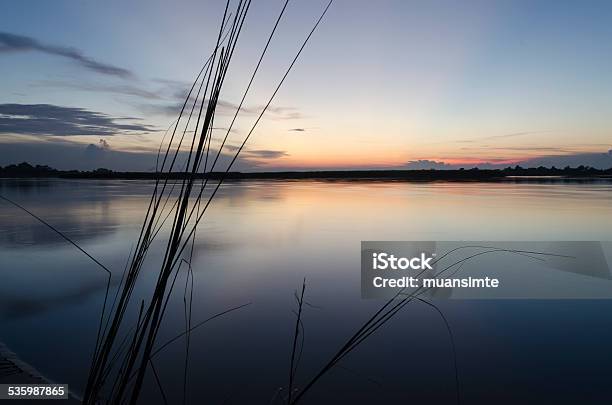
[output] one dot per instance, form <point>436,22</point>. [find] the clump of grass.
<point>123,352</point>
<point>120,363</point>
<point>118,369</point>
<point>391,308</point>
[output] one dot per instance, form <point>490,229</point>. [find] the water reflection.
<point>257,242</point>
<point>58,203</point>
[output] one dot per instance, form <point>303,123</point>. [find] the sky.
<point>389,84</point>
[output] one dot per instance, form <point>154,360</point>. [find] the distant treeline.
<point>25,170</point>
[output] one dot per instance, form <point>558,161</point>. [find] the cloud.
<point>512,135</point>
<point>297,130</point>
<point>18,43</point>
<point>48,119</point>
<point>126,90</point>
<point>65,154</point>
<point>283,112</point>
<point>231,148</point>
<point>254,155</point>
<point>103,144</point>
<point>502,136</point>
<point>224,107</point>
<point>96,151</point>
<point>422,164</point>
<point>264,154</point>
<point>550,149</point>
<point>169,98</point>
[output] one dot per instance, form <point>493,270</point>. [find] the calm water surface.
<point>257,243</point>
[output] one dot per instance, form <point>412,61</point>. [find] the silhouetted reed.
<point>119,368</point>
<point>392,307</point>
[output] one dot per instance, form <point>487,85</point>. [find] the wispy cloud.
<point>19,43</point>
<point>48,119</point>
<point>254,155</point>
<point>168,97</point>
<point>513,134</point>
<point>223,108</point>
<point>122,89</point>
<point>502,136</point>
<point>264,154</point>
<point>283,112</point>
<point>174,93</point>
<point>520,148</point>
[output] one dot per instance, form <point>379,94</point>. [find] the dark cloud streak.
<point>65,154</point>
<point>48,119</point>
<point>18,43</point>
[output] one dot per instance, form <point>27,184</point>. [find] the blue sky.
<point>381,84</point>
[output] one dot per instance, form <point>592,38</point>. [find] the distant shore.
<point>540,174</point>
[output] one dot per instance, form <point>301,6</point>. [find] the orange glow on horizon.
<point>349,163</point>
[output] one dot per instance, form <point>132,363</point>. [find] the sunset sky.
<point>380,84</point>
